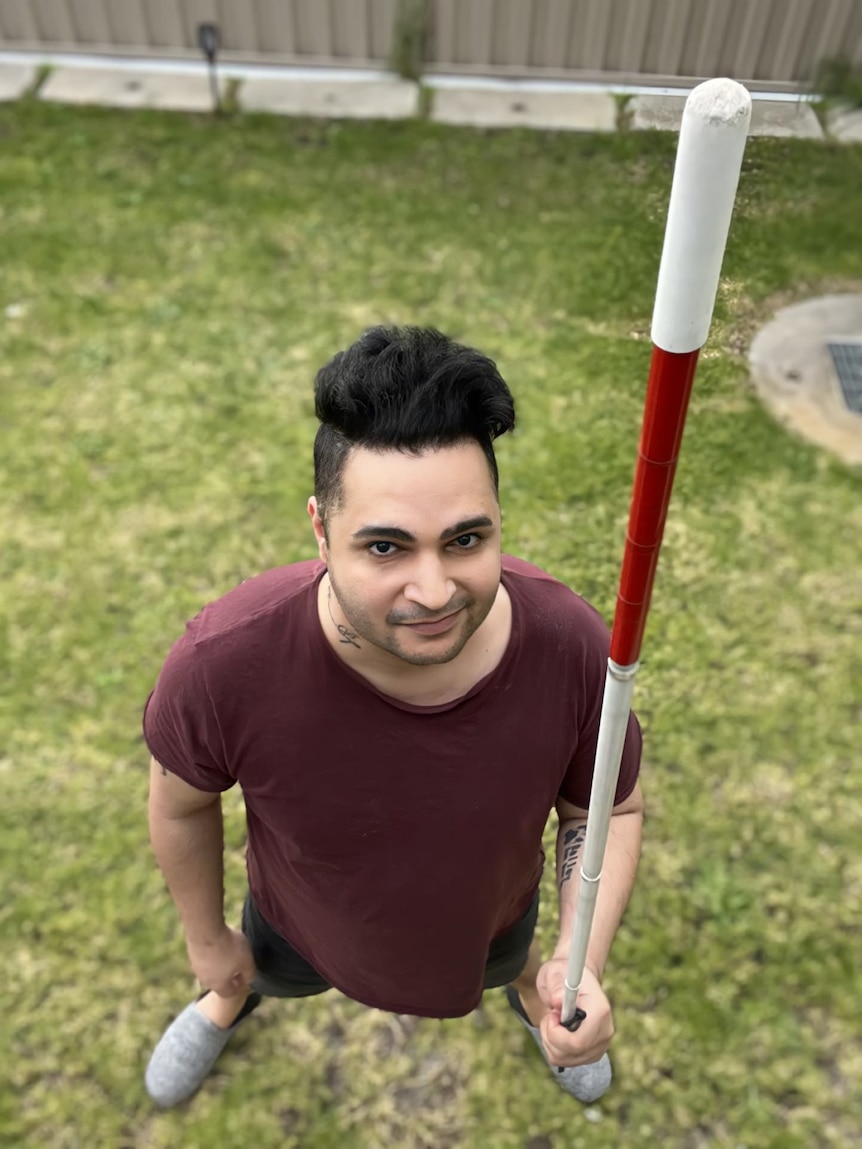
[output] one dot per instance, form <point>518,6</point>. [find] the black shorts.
<point>282,972</point>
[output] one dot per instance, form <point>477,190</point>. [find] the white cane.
<point>708,163</point>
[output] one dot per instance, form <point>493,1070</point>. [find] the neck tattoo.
<point>347,637</point>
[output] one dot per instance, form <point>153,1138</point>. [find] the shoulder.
<point>256,600</point>
<point>246,621</point>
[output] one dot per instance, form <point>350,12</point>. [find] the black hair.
<point>406,389</point>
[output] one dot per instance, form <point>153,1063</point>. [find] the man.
<point>401,716</point>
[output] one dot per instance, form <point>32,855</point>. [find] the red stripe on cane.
<point>668,390</point>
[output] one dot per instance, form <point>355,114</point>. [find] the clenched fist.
<point>593,1036</point>
<point>225,965</point>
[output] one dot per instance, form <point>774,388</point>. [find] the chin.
<point>418,659</point>
<point>429,656</point>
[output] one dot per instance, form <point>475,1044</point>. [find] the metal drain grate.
<point>847,358</point>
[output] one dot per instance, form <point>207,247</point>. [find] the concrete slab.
<point>845,124</point>
<point>785,118</point>
<point>126,89</point>
<point>508,108</point>
<point>768,117</point>
<point>795,377</point>
<point>656,113</point>
<point>15,80</point>
<point>383,99</point>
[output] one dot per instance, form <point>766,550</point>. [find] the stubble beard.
<point>386,638</point>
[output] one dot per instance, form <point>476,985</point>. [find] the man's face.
<point>413,549</point>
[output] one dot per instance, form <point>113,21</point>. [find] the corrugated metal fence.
<point>290,31</point>
<point>773,42</point>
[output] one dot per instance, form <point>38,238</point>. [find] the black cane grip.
<point>574,1022</point>
<point>572,1025</point>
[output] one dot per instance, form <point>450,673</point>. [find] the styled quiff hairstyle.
<point>405,389</point>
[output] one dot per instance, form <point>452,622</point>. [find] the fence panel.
<point>128,22</point>
<point>754,40</point>
<point>89,21</point>
<point>53,21</point>
<point>288,31</point>
<point>766,42</point>
<point>165,26</point>
<point>550,33</point>
<point>382,20</point>
<point>590,26</point>
<point>275,27</point>
<point>349,28</point>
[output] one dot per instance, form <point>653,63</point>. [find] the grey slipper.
<point>187,1051</point>
<point>585,1082</point>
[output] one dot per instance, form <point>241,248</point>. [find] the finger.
<point>550,1028</point>
<point>567,1049</point>
<point>575,1022</point>
<point>568,1060</point>
<point>249,969</point>
<point>243,978</point>
<point>551,988</point>
<point>230,988</point>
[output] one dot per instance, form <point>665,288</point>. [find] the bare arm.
<point>187,838</point>
<point>618,874</point>
<point>591,1040</point>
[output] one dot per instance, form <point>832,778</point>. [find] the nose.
<point>429,585</point>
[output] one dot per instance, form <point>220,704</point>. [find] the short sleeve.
<point>579,776</point>
<point>578,779</point>
<point>180,725</point>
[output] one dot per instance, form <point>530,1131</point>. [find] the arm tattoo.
<point>572,843</point>
<point>348,637</point>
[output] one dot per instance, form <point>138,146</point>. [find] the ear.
<point>317,525</point>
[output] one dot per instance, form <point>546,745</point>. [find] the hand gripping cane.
<point>708,162</point>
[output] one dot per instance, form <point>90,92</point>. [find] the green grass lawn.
<point>170,286</point>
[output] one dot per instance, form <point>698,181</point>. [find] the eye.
<point>382,549</point>
<point>466,542</point>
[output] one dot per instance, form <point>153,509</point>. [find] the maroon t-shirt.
<point>388,843</point>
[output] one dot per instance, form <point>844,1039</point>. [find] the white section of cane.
<point>616,706</point>
<point>709,159</point>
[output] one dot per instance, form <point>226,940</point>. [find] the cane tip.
<point>720,102</point>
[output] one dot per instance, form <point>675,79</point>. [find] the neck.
<point>432,685</point>
<point>347,637</point>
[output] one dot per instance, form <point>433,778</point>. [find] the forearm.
<point>190,854</point>
<point>618,875</point>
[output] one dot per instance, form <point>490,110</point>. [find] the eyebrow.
<point>382,531</point>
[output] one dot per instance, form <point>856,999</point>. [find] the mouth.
<point>438,627</point>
